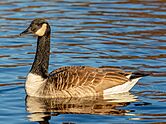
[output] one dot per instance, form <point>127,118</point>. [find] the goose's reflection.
<point>41,109</point>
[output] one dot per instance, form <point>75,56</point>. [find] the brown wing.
<point>76,76</point>
<point>116,70</point>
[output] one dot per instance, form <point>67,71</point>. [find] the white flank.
<point>33,84</point>
<point>121,88</point>
<point>42,30</point>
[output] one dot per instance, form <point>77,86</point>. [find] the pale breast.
<point>33,84</point>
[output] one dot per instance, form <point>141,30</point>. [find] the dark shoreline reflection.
<point>41,109</point>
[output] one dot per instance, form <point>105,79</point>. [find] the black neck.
<point>41,61</point>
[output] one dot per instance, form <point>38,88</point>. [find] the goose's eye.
<point>38,24</point>
<point>35,27</point>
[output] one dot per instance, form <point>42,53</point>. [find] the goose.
<point>71,81</point>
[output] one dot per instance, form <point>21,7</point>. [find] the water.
<point>129,34</point>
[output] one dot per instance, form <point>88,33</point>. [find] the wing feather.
<point>85,76</point>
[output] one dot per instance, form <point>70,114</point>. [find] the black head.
<point>38,27</point>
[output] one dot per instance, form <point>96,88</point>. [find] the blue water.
<point>126,34</point>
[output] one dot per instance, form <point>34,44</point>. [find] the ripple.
<point>128,34</point>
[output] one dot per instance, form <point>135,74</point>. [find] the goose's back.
<point>82,80</point>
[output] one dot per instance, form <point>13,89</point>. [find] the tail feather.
<point>139,74</point>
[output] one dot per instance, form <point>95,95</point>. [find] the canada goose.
<point>70,81</point>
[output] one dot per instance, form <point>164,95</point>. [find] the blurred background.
<point>128,34</point>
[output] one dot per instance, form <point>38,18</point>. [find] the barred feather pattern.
<point>80,81</point>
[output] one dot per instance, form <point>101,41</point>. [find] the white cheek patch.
<point>42,30</point>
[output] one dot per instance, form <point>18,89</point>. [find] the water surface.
<point>128,34</point>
